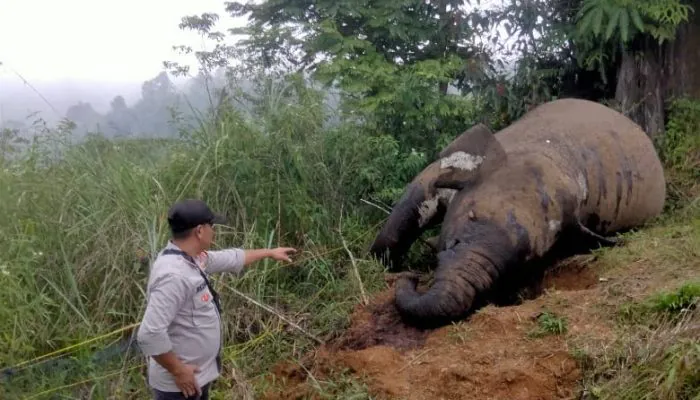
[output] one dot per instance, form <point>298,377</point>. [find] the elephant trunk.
<point>466,272</point>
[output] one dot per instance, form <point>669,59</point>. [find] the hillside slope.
<point>595,328</point>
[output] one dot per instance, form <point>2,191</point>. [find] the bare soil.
<point>492,355</point>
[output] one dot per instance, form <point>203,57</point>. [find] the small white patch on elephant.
<point>461,160</point>
<point>446,194</point>
<point>428,208</point>
<point>554,225</point>
<point>547,140</point>
<point>583,186</point>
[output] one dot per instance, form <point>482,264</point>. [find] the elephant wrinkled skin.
<point>568,167</point>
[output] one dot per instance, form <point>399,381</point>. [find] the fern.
<point>613,22</point>
<point>625,19</point>
<point>605,24</point>
<point>637,20</point>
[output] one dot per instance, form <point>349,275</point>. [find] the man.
<point>181,329</point>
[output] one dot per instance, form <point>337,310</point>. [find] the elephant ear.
<point>471,156</point>
<point>424,200</point>
<point>474,139</point>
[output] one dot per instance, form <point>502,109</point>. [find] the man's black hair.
<point>181,234</point>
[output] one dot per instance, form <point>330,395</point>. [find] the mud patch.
<point>493,354</point>
<point>574,273</point>
<point>489,356</point>
<point>379,324</point>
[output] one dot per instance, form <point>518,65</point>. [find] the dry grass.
<point>649,299</point>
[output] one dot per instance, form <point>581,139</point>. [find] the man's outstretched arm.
<point>279,254</point>
<point>235,260</point>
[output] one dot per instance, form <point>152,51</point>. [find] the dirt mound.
<point>379,324</point>
<point>491,356</point>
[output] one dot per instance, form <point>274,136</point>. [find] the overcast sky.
<point>90,50</point>
<point>104,40</point>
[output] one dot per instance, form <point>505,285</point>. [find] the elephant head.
<point>462,164</point>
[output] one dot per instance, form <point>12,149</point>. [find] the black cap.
<point>187,214</point>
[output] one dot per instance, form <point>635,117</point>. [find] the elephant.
<point>567,169</point>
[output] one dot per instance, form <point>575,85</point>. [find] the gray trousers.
<point>158,395</point>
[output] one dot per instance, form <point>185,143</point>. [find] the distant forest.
<point>161,111</point>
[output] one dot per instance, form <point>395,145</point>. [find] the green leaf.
<point>598,21</point>
<point>624,26</point>
<point>613,22</point>
<point>587,5</point>
<point>637,20</point>
<point>584,23</point>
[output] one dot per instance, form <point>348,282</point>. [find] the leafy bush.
<point>679,150</point>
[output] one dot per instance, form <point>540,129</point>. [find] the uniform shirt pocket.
<point>203,310</point>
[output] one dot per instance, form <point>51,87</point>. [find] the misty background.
<point>100,65</point>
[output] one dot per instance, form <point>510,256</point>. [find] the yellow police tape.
<point>70,385</point>
<point>243,347</point>
<point>65,349</point>
<point>122,329</point>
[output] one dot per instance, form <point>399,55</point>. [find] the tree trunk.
<point>639,88</point>
<point>650,75</point>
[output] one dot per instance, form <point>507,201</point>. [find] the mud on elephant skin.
<point>568,170</point>
<point>425,199</point>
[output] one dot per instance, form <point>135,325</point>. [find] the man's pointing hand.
<point>282,253</point>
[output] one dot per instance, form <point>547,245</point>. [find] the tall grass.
<point>76,229</point>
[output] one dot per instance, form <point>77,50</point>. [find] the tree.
<point>651,45</point>
<point>657,68</point>
<point>545,61</point>
<point>158,90</point>
<point>118,104</point>
<point>394,61</point>
<point>635,54</point>
<point>305,34</point>
<point>84,116</point>
<point>159,101</point>
<point>120,120</point>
